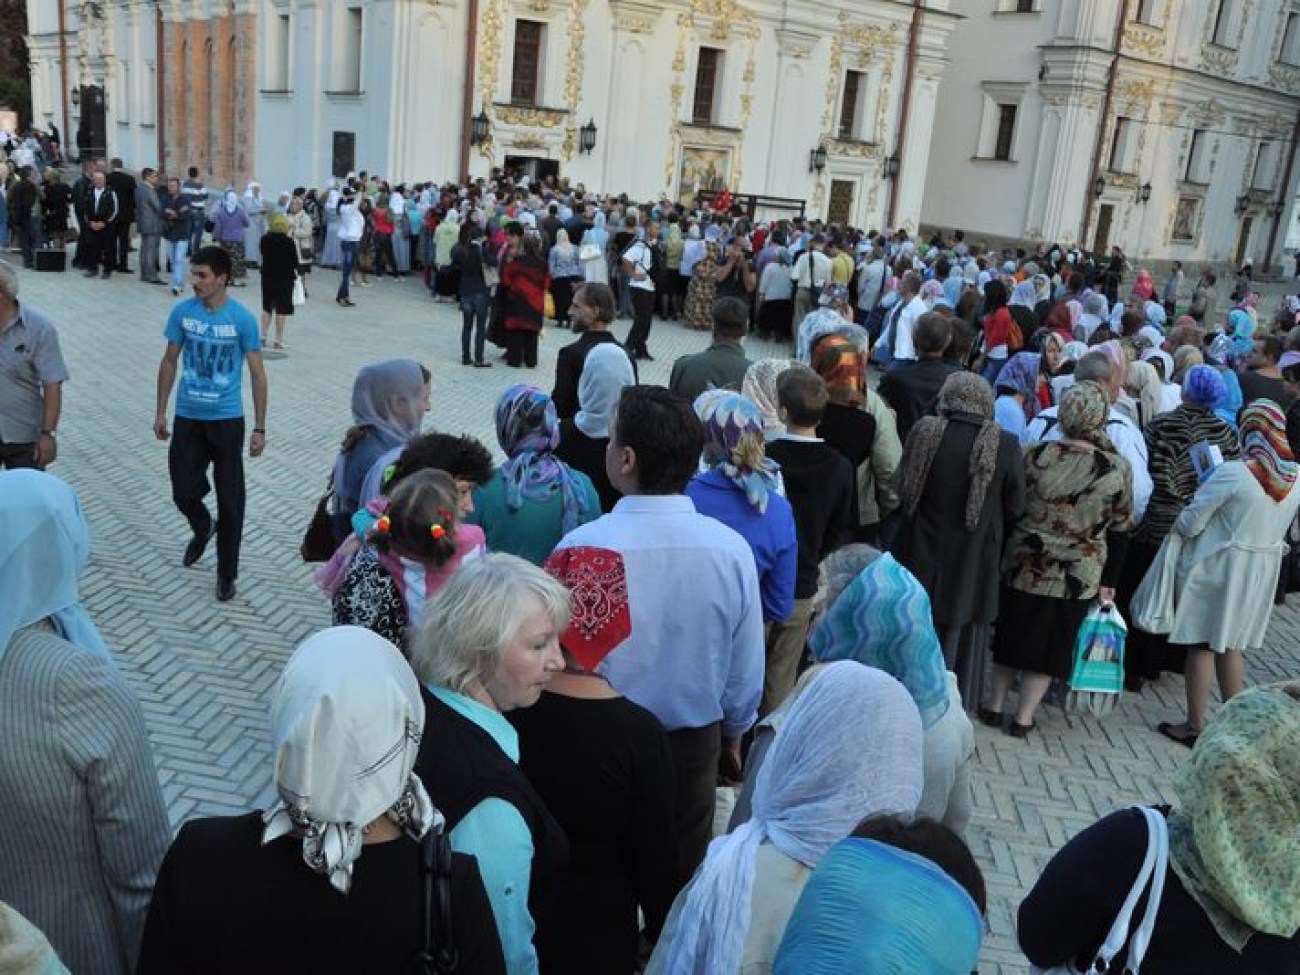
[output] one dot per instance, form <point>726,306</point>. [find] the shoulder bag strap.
<point>1119,931</point>
<point>1158,827</point>
<point>438,955</point>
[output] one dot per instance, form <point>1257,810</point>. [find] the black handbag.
<point>318,542</point>
<point>438,956</point>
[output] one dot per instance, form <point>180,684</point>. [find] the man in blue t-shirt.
<point>217,335</point>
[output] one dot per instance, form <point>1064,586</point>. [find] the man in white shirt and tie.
<point>810,272</point>
<point>896,337</point>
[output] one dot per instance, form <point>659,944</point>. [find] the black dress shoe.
<point>225,590</point>
<point>92,273</point>
<point>197,546</point>
<point>646,356</point>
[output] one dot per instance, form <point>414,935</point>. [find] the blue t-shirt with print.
<point>213,345</point>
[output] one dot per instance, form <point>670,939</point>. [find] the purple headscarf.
<point>1203,386</point>
<point>528,430</point>
<point>1020,375</point>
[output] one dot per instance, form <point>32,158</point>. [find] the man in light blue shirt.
<point>695,655</point>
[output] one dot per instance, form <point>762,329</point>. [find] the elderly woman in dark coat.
<point>952,540</point>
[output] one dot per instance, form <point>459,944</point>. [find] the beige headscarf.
<point>1144,383</point>
<point>347,719</point>
<point>759,385</point>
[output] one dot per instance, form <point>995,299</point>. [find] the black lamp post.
<point>480,128</point>
<point>76,96</point>
<point>1243,204</point>
<point>1144,194</point>
<point>892,166</point>
<point>587,137</point>
<point>817,159</point>
<point>1099,186</point>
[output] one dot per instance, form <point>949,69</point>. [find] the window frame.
<point>1003,153</point>
<point>706,95</point>
<point>531,87</point>
<point>851,112</point>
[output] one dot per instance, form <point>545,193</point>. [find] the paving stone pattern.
<point>203,670</point>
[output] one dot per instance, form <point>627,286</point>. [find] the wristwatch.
<point>50,432</point>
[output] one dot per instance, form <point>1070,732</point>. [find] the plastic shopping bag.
<point>1098,675</point>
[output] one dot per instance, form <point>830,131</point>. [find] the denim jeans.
<point>177,253</point>
<point>472,308</point>
<point>30,232</point>
<point>349,248</point>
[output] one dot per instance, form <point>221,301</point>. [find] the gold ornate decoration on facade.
<point>539,6</point>
<point>678,91</point>
<point>1144,39</point>
<point>833,80</point>
<point>746,105</point>
<point>853,150</point>
<point>871,40</point>
<point>530,116</point>
<point>1206,113</point>
<point>635,25</point>
<point>1219,60</point>
<point>1134,97</point>
<point>725,14</point>
<point>573,68</point>
<point>528,142</point>
<point>489,62</point>
<point>1285,77</point>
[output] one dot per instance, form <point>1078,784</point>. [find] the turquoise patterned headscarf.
<point>870,907</point>
<point>882,619</point>
<point>529,431</point>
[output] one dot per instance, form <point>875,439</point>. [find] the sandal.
<point>1180,733</point>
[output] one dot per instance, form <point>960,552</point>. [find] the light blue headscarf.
<point>728,417</point>
<point>882,619</point>
<point>872,909</point>
<point>44,545</point>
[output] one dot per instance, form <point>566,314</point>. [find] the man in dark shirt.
<point>1263,377</point>
<point>820,485</point>
<point>123,186</point>
<point>912,388</point>
<point>592,310</point>
<point>723,364</point>
<point>24,214</point>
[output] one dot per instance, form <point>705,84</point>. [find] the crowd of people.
<point>685,683</point>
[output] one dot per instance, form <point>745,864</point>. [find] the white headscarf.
<point>346,721</point>
<point>850,748</point>
<point>605,372</point>
<point>230,201</point>
<point>44,546</point>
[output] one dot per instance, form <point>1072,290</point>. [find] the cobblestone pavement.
<point>203,669</point>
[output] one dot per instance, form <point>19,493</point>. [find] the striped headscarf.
<point>1266,450</point>
<point>882,619</point>
<point>733,442</point>
<point>528,430</point>
<point>838,361</point>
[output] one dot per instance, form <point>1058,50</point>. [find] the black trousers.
<point>101,249</point>
<point>643,308</point>
<point>195,445</point>
<point>122,241</point>
<point>695,765</point>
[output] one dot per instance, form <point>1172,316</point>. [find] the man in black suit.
<point>101,217</point>
<point>912,387</point>
<point>80,196</point>
<point>122,184</point>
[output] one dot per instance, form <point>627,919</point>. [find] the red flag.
<point>722,202</point>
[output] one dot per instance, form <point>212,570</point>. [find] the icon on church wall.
<point>1185,219</point>
<point>703,170</point>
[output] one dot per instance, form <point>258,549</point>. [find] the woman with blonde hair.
<point>279,256</point>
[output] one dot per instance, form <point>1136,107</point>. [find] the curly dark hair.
<point>463,457</point>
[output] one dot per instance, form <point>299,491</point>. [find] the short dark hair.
<point>934,841</point>
<point>115,163</point>
<point>464,458</point>
<point>214,258</point>
<point>910,283</point>
<point>803,395</point>
<point>147,172</point>
<point>1271,346</point>
<point>601,297</point>
<point>514,229</point>
<point>665,434</point>
<point>730,318</point>
<point>932,334</point>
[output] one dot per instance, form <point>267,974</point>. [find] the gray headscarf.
<point>604,374</point>
<point>389,396</point>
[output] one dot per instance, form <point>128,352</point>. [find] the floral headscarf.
<point>1266,450</point>
<point>729,418</point>
<point>528,430</point>
<point>1083,412</point>
<point>1233,837</point>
